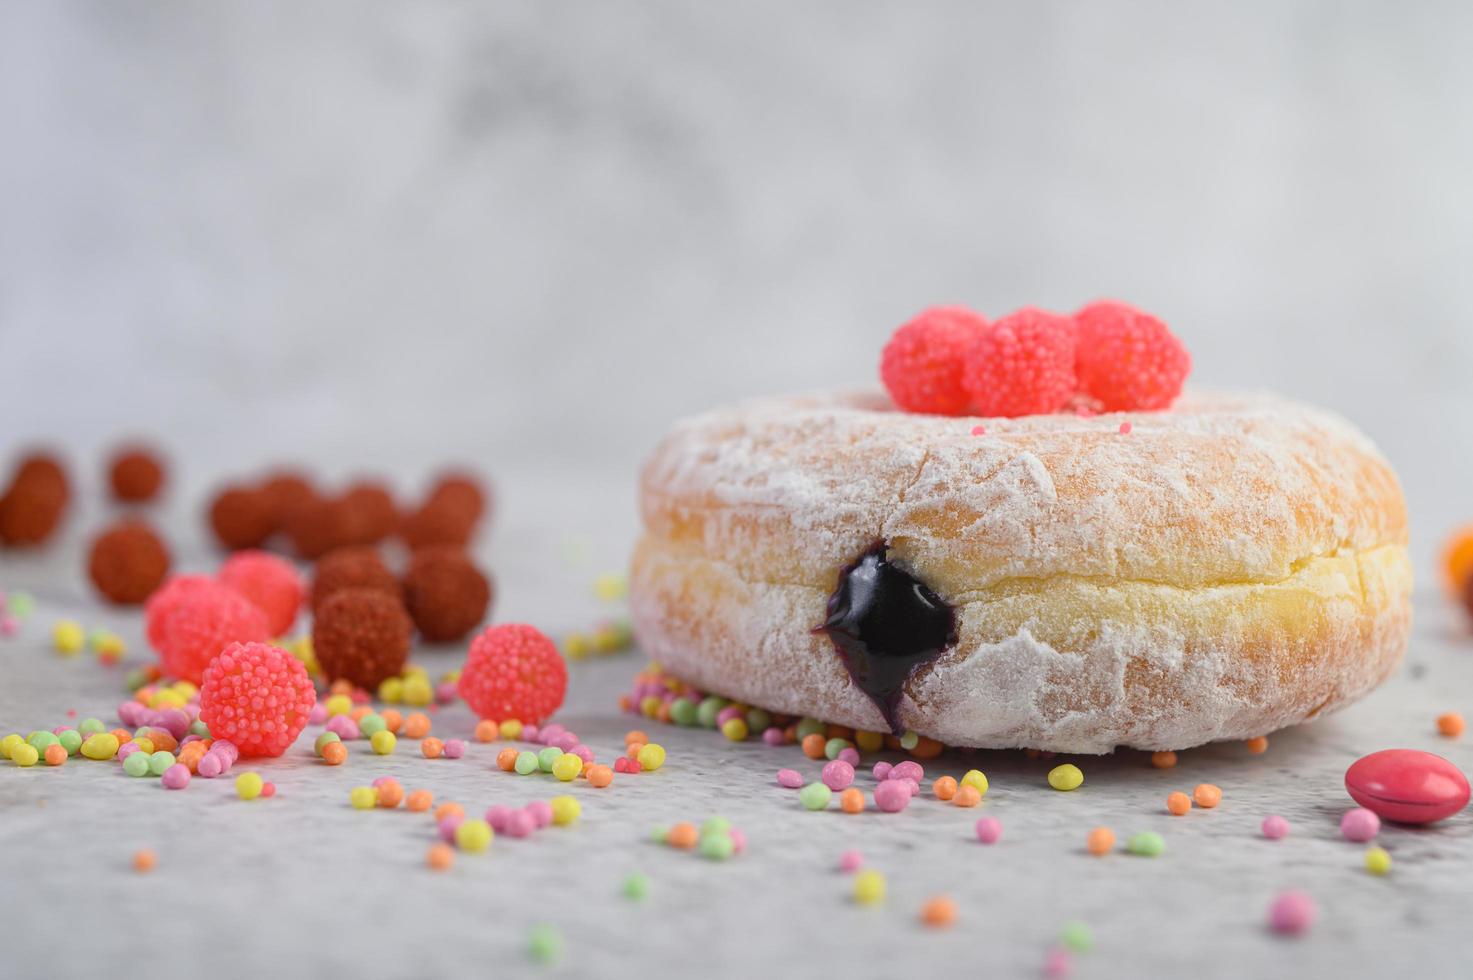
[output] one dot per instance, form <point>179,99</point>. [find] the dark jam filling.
<point>885,622</point>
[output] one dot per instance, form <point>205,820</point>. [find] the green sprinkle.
<point>158,761</point>
<point>683,711</point>
<point>91,726</point>
<point>810,726</point>
<point>547,757</point>
<point>21,604</point>
<point>526,762</point>
<point>199,728</point>
<point>909,741</point>
<point>708,709</point>
<point>136,764</point>
<point>371,723</point>
<point>636,886</point>
<point>71,740</point>
<point>136,678</point>
<point>324,740</point>
<point>545,943</point>
<point>758,720</point>
<point>719,847</point>
<point>815,796</point>
<point>1077,936</point>
<point>1147,843</point>
<point>41,741</point>
<point>659,833</point>
<point>716,825</point>
<point>834,746</point>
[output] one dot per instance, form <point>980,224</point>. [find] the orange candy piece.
<point>334,753</point>
<point>393,720</point>
<point>1163,760</point>
<point>432,747</point>
<point>813,746</point>
<point>440,857</point>
<point>1450,725</point>
<point>938,912</point>
<point>683,836</point>
<point>944,788</point>
<point>419,801</point>
<point>635,735</point>
<point>1457,560</point>
<point>852,800</point>
<point>486,730</point>
<point>1178,804</point>
<point>55,754</point>
<point>599,776</point>
<point>967,796</point>
<point>448,810</point>
<point>417,725</point>
<point>927,748</point>
<point>145,860</point>
<point>506,760</point>
<point>1100,841</point>
<point>1207,795</point>
<point>390,794</point>
<point>1258,745</point>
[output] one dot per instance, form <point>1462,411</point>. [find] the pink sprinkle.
<point>318,714</point>
<point>565,741</point>
<point>1125,428</point>
<point>454,748</point>
<point>850,755</point>
<point>881,771</point>
<point>738,840</point>
<point>1359,825</point>
<point>210,766</point>
<point>909,769</point>
<point>380,781</point>
<point>788,778</point>
<point>1057,964</point>
<point>1275,827</point>
<point>546,735</point>
<point>268,790</point>
<point>9,625</point>
<point>176,776</point>
<point>497,816</point>
<point>911,786</point>
<point>989,829</point>
<point>541,812</point>
<point>773,736</point>
<point>128,749</point>
<point>893,795</point>
<point>979,430</point>
<point>580,750</point>
<point>225,748</point>
<point>837,775</point>
<point>529,733</point>
<point>445,692</point>
<point>621,764</point>
<point>727,713</point>
<point>448,825</point>
<point>850,861</point>
<point>1291,913</point>
<point>520,824</point>
<point>343,726</point>
<point>635,766</point>
<point>71,712</point>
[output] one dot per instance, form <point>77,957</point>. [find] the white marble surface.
<point>304,886</point>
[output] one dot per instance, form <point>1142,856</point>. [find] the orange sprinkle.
<point>506,759</point>
<point>838,731</point>
<point>440,857</point>
<point>631,751</point>
<point>852,800</point>
<point>123,735</point>
<point>432,747</point>
<point>662,713</point>
<point>162,740</point>
<point>1457,560</point>
<point>1163,760</point>
<point>419,801</point>
<point>334,753</point>
<point>813,746</point>
<point>635,735</point>
<point>1207,795</point>
<point>341,686</point>
<point>360,712</point>
<point>1179,804</point>
<point>682,835</point>
<point>55,754</point>
<point>417,725</point>
<point>448,810</point>
<point>967,796</point>
<point>927,748</point>
<point>1450,724</point>
<point>486,730</point>
<point>145,860</point>
<point>944,788</point>
<point>390,794</point>
<point>393,720</point>
<point>1258,745</point>
<point>938,912</point>
<point>1100,841</point>
<point>598,776</point>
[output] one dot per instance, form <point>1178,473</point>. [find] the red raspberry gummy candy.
<point>199,621</point>
<point>257,696</point>
<point>1128,359</point>
<point>922,364</point>
<point>268,581</point>
<point>513,671</point>
<point>1022,365</point>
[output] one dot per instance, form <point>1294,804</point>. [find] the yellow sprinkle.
<point>68,637</point>
<point>976,779</point>
<point>611,586</point>
<point>869,887</point>
<point>391,691</point>
<point>1066,777</point>
<point>1378,862</point>
<point>417,690</point>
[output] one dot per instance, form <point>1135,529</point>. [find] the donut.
<point>1220,570</point>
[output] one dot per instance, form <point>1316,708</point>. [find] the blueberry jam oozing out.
<point>885,622</point>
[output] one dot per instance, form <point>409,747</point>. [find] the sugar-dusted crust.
<point>1229,567</point>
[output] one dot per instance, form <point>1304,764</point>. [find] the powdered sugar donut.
<point>1224,569</point>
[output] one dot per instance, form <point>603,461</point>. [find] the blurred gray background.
<point>380,236</point>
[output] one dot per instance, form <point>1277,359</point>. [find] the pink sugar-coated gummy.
<point>318,714</point>
<point>909,769</point>
<point>837,775</point>
<point>881,770</point>
<point>448,825</point>
<point>1359,825</point>
<point>727,713</point>
<point>850,756</point>
<point>583,752</point>
<point>128,749</point>
<point>892,795</point>
<point>210,766</point>
<point>497,816</point>
<point>851,861</point>
<point>738,840</point>
<point>789,779</point>
<point>989,830</point>
<point>454,748</point>
<point>530,733</point>
<point>773,736</point>
<point>1291,913</point>
<point>172,720</point>
<point>541,811</point>
<point>1407,785</point>
<point>1275,827</point>
<point>520,823</point>
<point>130,713</point>
<point>1057,964</point>
<point>176,776</point>
<point>343,727</point>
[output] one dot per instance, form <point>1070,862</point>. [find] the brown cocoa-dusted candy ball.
<point>128,561</point>
<point>316,528</point>
<point>446,595</point>
<point>361,636</point>
<point>369,513</point>
<point>286,492</point>
<point>351,568</point>
<point>240,518</point>
<point>136,474</point>
<point>461,492</point>
<point>32,506</point>
<point>436,524</point>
